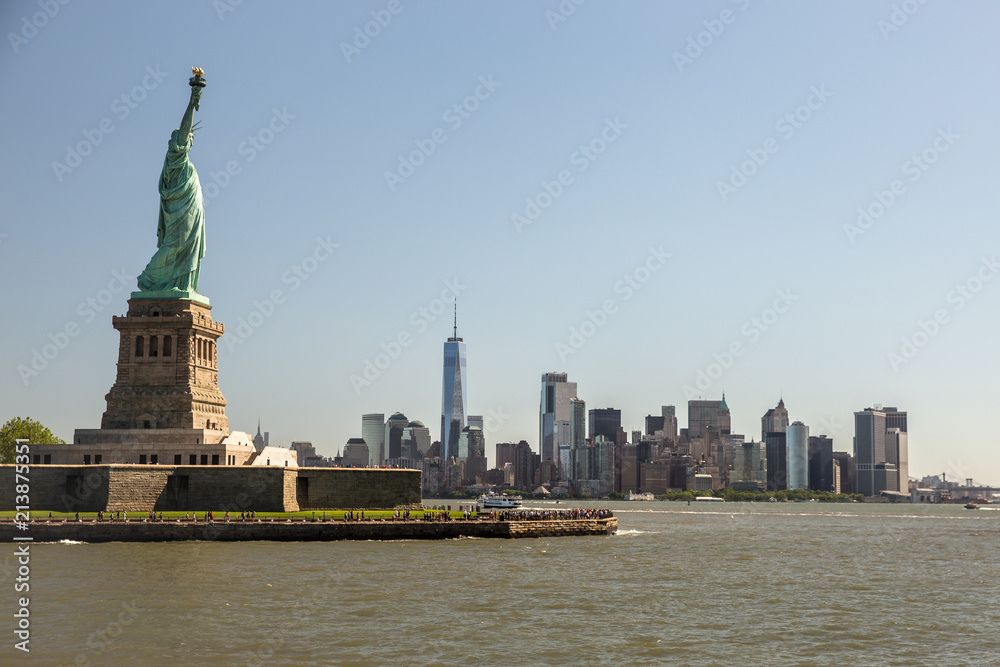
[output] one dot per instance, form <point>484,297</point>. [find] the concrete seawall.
<point>302,531</point>
<point>163,488</point>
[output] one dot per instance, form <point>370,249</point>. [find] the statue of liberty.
<point>180,233</point>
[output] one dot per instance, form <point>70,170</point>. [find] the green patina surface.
<point>174,269</point>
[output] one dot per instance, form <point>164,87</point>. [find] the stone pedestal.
<point>167,368</point>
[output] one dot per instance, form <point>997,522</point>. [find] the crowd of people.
<point>549,515</point>
<point>429,514</point>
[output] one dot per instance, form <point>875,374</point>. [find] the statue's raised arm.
<point>180,232</point>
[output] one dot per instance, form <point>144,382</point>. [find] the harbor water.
<point>698,584</point>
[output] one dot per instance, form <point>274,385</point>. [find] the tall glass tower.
<point>797,444</point>
<point>453,394</point>
<point>554,414</point>
<point>373,433</point>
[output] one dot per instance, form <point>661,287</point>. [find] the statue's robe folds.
<point>180,232</point>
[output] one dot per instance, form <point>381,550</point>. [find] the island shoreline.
<point>302,531</point>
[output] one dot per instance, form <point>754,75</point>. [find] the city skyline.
<point>792,202</point>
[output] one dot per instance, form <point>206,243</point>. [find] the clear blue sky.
<point>663,132</point>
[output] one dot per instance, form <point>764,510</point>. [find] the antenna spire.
<point>456,319</point>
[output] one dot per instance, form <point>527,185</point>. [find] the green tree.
<point>27,428</point>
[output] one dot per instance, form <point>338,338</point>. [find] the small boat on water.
<point>709,499</point>
<point>632,495</point>
<point>493,501</point>
<point>971,506</point>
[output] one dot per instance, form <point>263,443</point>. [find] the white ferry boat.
<point>493,501</point>
<point>709,499</point>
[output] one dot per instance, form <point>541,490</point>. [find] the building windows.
<point>152,346</point>
<point>142,458</point>
<point>204,459</point>
<point>155,458</point>
<point>48,459</point>
<point>37,458</point>
<point>86,459</point>
<point>193,459</point>
<point>177,459</point>
<point>215,459</point>
<point>146,424</point>
<point>97,459</point>
<point>138,346</point>
<point>167,346</point>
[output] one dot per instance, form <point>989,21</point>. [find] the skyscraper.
<point>797,443</point>
<point>654,423</point>
<point>505,453</point>
<point>896,446</point>
<point>669,422</point>
<point>475,461</point>
<point>416,439</point>
<point>869,450</point>
<point>895,418</point>
<point>750,464</point>
<point>821,463</point>
<point>577,423</point>
<point>356,453</point>
<point>554,414</point>
<point>777,461</point>
<point>774,420</point>
<point>453,393</point>
<point>393,443</point>
<point>525,466</point>
<point>708,417</point>
<point>606,422</point>
<point>373,433</point>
